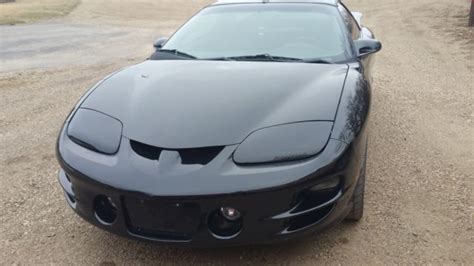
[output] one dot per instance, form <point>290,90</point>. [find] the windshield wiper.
<point>268,57</point>
<point>317,61</point>
<point>264,57</point>
<point>177,53</point>
<point>258,57</point>
<point>223,58</point>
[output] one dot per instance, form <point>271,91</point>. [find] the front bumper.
<point>278,212</point>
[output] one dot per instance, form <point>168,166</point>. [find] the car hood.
<point>192,103</point>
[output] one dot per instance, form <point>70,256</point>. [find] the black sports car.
<point>249,125</point>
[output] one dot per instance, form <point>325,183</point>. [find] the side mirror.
<point>158,44</point>
<point>367,46</point>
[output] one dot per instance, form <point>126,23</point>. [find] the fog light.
<point>230,213</point>
<point>328,184</point>
<point>225,223</point>
<point>111,202</point>
<point>105,209</point>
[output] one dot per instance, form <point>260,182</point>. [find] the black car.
<point>249,125</point>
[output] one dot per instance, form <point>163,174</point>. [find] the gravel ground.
<point>419,205</point>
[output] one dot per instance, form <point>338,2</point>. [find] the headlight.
<point>284,143</point>
<point>95,131</point>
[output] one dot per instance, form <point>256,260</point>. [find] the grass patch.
<point>25,11</point>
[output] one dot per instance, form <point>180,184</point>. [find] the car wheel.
<point>357,200</point>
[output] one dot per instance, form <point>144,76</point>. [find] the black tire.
<point>357,200</point>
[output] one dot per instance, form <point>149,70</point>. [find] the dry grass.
<point>165,15</point>
<point>23,11</point>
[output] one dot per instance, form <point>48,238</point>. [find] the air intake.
<point>201,156</point>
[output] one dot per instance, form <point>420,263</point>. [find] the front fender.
<point>353,114</point>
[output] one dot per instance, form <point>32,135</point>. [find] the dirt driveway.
<point>420,168</point>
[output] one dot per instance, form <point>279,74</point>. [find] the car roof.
<point>224,2</point>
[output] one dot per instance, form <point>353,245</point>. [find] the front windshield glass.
<point>299,31</point>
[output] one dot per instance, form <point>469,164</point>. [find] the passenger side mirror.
<point>367,46</point>
<point>158,44</point>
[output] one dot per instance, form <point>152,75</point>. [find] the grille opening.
<point>308,219</point>
<point>156,234</point>
<point>201,156</point>
<point>71,198</point>
<point>69,191</point>
<point>67,177</point>
<point>147,151</point>
<point>311,199</point>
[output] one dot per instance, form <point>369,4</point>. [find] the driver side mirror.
<point>367,46</point>
<point>158,44</point>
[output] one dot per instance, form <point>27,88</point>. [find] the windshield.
<point>296,31</point>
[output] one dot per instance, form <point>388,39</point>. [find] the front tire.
<point>357,200</point>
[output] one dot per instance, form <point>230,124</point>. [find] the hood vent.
<point>147,151</point>
<point>201,156</point>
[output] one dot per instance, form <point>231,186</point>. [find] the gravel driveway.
<point>420,170</point>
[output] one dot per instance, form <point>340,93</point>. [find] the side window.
<point>350,22</point>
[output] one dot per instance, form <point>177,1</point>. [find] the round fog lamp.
<point>230,213</point>
<point>105,210</point>
<point>225,223</point>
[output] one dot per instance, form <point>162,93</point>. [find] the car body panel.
<point>194,103</point>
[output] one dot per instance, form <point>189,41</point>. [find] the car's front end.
<point>271,202</point>
<point>211,142</point>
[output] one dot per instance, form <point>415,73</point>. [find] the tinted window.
<point>304,31</point>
